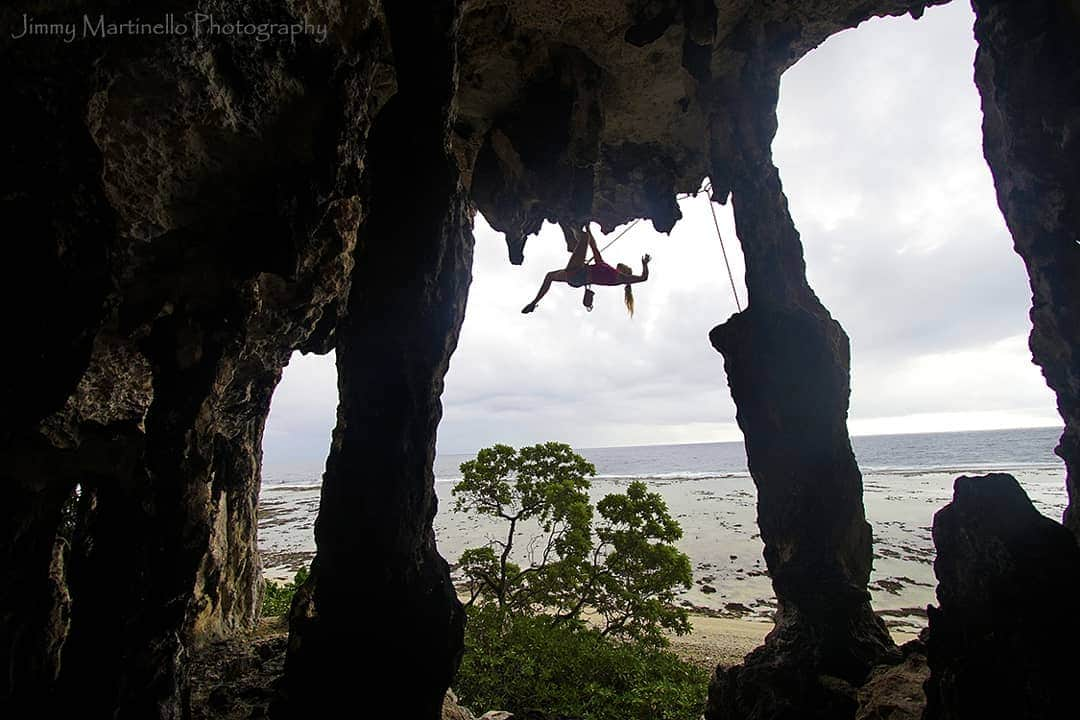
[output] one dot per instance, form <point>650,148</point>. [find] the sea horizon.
<point>887,452</point>
<point>1059,427</point>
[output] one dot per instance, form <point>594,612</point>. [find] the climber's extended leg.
<point>553,276</point>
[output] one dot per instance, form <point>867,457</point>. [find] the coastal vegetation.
<point>523,662</point>
<point>578,629</point>
<point>615,563</point>
<point>277,597</point>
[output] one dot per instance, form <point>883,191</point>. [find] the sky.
<point>880,155</point>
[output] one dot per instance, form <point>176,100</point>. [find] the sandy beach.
<point>719,641</point>
<point>722,641</point>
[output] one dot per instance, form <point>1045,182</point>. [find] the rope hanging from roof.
<point>707,190</point>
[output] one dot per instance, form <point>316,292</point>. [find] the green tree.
<point>624,569</point>
<point>641,568</point>
<point>543,484</point>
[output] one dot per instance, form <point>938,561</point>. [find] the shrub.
<point>521,662</point>
<point>277,597</point>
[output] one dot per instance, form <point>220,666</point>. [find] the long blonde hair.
<point>628,294</point>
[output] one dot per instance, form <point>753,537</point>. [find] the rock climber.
<point>578,273</point>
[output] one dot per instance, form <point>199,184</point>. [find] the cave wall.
<point>190,226</point>
<point>1027,69</point>
<point>52,201</point>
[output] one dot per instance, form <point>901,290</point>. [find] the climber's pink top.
<point>603,274</point>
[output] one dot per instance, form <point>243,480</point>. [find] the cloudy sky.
<point>879,150</point>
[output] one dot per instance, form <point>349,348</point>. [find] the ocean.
<point>906,479</point>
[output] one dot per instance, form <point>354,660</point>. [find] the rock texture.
<point>453,710</point>
<point>1028,71</point>
<point>235,679</point>
<point>379,588</point>
<point>605,110</point>
<point>895,692</point>
<point>188,210</point>
<point>1008,585</point>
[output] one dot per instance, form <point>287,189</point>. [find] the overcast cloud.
<point>879,150</point>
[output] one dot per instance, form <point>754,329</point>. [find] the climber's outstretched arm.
<point>644,272</point>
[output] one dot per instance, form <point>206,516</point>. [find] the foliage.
<point>624,567</point>
<point>544,485</point>
<point>635,587</point>
<point>520,663</point>
<point>277,597</point>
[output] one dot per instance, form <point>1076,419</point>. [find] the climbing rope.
<point>707,191</point>
<point>626,229</point>
<point>716,224</point>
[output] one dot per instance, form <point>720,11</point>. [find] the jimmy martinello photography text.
<point>188,25</point>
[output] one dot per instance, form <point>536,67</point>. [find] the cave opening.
<point>880,149</point>
<point>879,145</point>
<point>296,442</point>
<point>194,209</point>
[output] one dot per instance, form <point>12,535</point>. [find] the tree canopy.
<point>616,562</point>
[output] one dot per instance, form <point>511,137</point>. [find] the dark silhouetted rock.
<point>382,607</point>
<point>1027,68</point>
<point>787,363</point>
<point>188,208</point>
<point>1000,640</point>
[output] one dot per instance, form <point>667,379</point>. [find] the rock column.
<point>1027,69</point>
<point>380,612</point>
<point>787,363</point>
